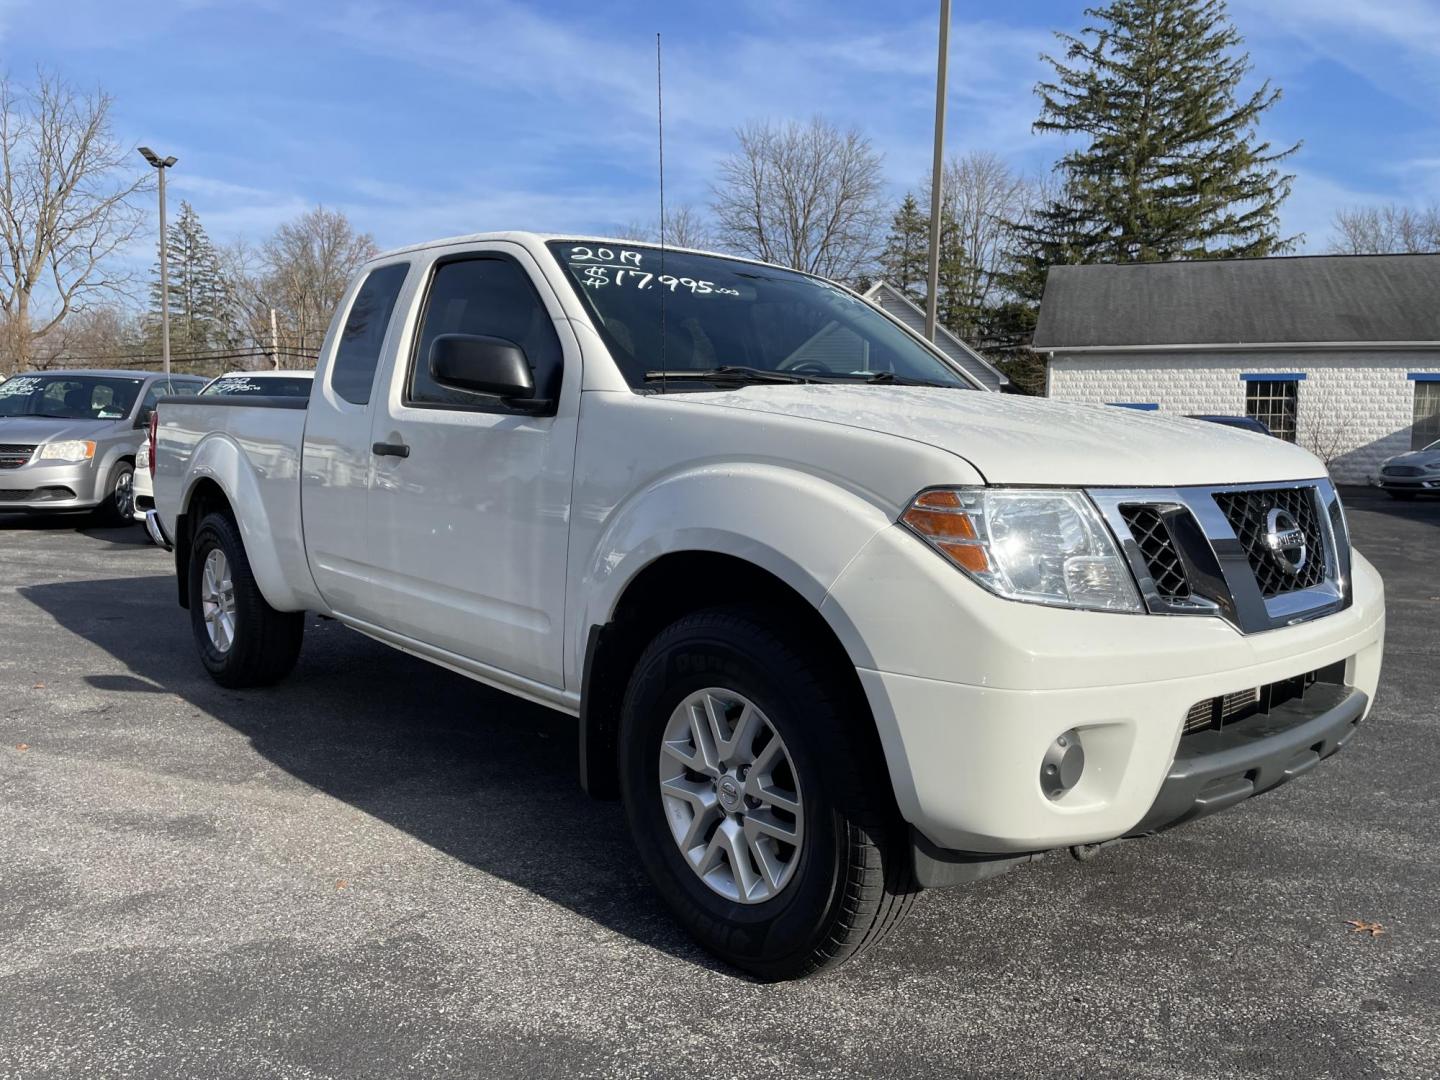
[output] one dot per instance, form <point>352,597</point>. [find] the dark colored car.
<point>1246,423</point>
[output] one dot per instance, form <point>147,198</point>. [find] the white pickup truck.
<point>836,625</point>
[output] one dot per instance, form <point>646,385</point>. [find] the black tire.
<point>119,501</point>
<point>266,642</point>
<point>1403,496</point>
<point>853,881</point>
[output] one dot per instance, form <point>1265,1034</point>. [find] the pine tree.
<point>1173,168</point>
<point>904,260</point>
<point>203,311</point>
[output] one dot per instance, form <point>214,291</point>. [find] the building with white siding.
<point>895,303</point>
<point>1340,353</point>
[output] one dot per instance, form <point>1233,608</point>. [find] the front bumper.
<point>60,486</point>
<point>969,692</point>
<point>1429,482</point>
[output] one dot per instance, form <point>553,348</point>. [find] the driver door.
<point>470,506</point>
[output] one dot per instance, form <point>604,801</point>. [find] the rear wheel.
<point>757,807</point>
<point>242,640</point>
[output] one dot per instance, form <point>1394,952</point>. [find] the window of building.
<point>358,354</point>
<point>490,296</point>
<point>1426,429</point>
<point>1274,402</point>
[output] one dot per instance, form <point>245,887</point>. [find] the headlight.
<point>75,450</point>
<point>142,456</point>
<point>1043,547</point>
<point>1434,467</point>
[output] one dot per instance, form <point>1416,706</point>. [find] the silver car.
<point>68,439</point>
<point>1417,473</point>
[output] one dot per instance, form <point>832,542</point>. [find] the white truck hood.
<point>1018,440</point>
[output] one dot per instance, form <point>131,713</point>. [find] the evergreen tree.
<point>203,308</point>
<point>1173,168</point>
<point>904,263</point>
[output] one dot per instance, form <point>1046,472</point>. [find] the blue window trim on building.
<point>1424,376</point>
<point>1141,405</point>
<point>1271,376</point>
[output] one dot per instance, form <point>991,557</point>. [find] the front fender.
<point>268,514</point>
<point>802,528</point>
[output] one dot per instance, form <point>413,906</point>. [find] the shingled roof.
<point>1302,299</point>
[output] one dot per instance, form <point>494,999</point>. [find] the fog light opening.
<point>1062,765</point>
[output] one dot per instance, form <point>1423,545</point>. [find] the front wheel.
<point>119,505</point>
<point>756,802</point>
<point>242,640</point>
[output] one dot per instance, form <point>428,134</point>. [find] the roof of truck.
<point>522,235</point>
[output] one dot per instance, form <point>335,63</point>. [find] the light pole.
<point>932,298</point>
<point>161,164</point>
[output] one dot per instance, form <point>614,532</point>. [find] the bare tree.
<point>803,195</point>
<point>684,227</point>
<point>1386,230</point>
<point>304,268</point>
<point>982,196</point>
<point>1325,425</point>
<point>65,207</point>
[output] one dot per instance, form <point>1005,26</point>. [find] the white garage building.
<point>1340,353</point>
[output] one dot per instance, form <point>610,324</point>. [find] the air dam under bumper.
<point>1217,769</point>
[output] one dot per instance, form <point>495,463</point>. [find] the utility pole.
<point>932,296</point>
<point>160,165</point>
<point>274,342</point>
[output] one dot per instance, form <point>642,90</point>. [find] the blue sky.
<point>423,119</point>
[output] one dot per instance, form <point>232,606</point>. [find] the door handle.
<point>390,449</point>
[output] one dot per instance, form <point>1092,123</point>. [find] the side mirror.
<point>481,365</point>
<point>143,419</point>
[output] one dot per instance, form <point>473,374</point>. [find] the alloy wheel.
<point>217,600</point>
<point>731,795</point>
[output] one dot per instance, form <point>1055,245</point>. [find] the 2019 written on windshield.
<point>602,266</point>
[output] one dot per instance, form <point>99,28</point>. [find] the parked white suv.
<point>834,624</point>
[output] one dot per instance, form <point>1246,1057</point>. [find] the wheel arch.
<point>665,589</point>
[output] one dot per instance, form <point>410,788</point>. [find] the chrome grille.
<point>13,455</point>
<point>1402,470</point>
<point>1147,526</point>
<point>1246,511</point>
<point>1218,711</point>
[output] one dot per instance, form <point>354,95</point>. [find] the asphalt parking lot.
<point>379,869</point>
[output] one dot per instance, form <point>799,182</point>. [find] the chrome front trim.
<point>1221,578</point>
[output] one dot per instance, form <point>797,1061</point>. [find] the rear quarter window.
<point>358,353</point>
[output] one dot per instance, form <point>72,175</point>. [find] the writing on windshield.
<point>683,312</point>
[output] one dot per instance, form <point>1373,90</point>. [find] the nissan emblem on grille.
<point>1286,541</point>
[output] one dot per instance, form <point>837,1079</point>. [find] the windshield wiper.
<point>898,380</point>
<point>737,373</point>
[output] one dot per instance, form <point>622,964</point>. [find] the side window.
<point>490,296</point>
<point>157,389</point>
<point>358,354</point>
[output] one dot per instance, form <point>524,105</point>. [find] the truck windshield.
<point>68,397</point>
<point>728,322</point>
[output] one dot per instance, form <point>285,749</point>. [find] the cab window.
<point>489,295</point>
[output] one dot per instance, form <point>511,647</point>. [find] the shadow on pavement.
<point>479,775</point>
<point>84,523</point>
<point>1422,508</point>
